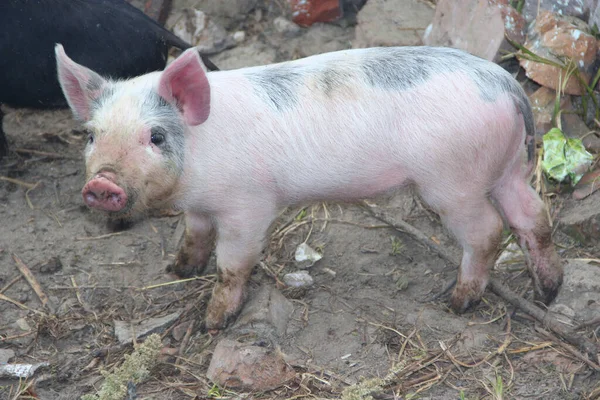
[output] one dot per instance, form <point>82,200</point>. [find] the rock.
<point>124,330</point>
<point>553,35</point>
<point>298,279</point>
<point>254,53</point>
<point>306,256</point>
<point>22,324</point>
<point>226,12</point>
<point>179,331</point>
<point>196,28</point>
<point>589,183</point>
<point>52,265</point>
<point>542,103</point>
<point>580,219</point>
<point>575,8</point>
<point>243,367</point>
<point>579,297</point>
<point>514,22</point>
<point>268,310</point>
<point>285,27</point>
<point>239,36</point>
<point>392,23</point>
<point>20,370</point>
<point>477,27</point>
<point>6,355</point>
<point>307,12</point>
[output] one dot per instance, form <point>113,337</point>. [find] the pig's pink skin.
<point>332,127</point>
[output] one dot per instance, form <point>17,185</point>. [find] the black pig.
<point>111,37</point>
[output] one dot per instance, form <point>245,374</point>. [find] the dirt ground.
<point>365,314</point>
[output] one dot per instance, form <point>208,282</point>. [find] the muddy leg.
<point>526,215</point>
<point>197,245</point>
<point>478,227</point>
<point>239,245</point>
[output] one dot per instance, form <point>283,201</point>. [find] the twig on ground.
<point>45,154</point>
<point>18,182</point>
<point>12,282</point>
<point>501,290</point>
<point>20,305</point>
<point>185,340</point>
<point>99,237</point>
<point>31,279</point>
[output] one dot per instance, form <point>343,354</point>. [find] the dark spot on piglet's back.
<point>277,85</point>
<point>396,69</point>
<point>332,79</point>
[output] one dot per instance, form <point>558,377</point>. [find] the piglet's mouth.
<point>101,192</point>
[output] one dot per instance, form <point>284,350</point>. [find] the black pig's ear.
<point>185,84</point>
<point>79,84</point>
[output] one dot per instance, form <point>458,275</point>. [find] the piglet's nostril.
<point>103,193</point>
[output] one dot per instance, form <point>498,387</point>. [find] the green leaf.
<point>564,157</point>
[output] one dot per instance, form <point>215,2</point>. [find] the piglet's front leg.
<point>197,245</point>
<point>239,245</point>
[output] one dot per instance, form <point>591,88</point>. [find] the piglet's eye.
<point>90,136</point>
<point>157,136</point>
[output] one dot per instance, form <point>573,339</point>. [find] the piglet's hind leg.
<point>477,225</point>
<point>526,215</point>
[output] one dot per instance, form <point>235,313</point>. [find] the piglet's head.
<point>137,130</point>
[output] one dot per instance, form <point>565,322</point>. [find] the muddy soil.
<point>365,313</point>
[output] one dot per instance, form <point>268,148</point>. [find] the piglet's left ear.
<point>184,82</point>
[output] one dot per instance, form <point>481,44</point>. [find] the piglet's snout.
<point>103,193</point>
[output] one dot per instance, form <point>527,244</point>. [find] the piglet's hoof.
<point>547,290</point>
<point>465,297</point>
<point>225,304</point>
<point>181,270</point>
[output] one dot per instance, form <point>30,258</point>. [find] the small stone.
<point>197,28</point>
<point>285,27</point>
<point>253,368</point>
<point>23,325</point>
<point>52,265</point>
<point>306,256</point>
<point>298,279</point>
<point>6,355</point>
<point>553,36</point>
<point>228,12</point>
<point>179,330</point>
<point>239,36</point>
<point>307,12</point>
<point>267,309</point>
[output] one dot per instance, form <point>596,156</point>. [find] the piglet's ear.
<point>79,84</point>
<point>184,83</point>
